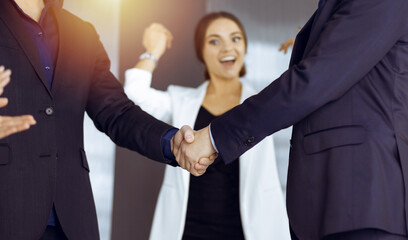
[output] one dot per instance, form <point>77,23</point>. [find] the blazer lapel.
<point>307,37</point>
<point>300,42</point>
<point>61,58</point>
<point>12,20</point>
<point>318,24</point>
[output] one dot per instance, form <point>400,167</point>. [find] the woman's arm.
<point>156,39</point>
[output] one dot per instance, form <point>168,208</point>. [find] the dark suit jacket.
<point>47,165</point>
<point>346,93</point>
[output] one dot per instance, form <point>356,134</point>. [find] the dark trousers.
<point>363,234</point>
<point>54,233</point>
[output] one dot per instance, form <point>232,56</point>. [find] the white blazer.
<point>262,207</point>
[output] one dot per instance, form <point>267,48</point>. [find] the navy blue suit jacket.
<point>47,165</point>
<point>346,95</point>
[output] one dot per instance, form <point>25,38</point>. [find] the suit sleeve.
<point>113,113</point>
<point>356,37</point>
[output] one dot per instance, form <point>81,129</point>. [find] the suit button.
<point>49,111</point>
<point>249,141</point>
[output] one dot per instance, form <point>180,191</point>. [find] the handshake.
<point>193,149</point>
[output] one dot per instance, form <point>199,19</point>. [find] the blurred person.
<point>235,201</point>
<point>60,71</point>
<point>346,95</point>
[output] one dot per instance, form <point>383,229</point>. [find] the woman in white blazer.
<point>220,43</point>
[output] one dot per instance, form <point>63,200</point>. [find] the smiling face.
<point>224,49</point>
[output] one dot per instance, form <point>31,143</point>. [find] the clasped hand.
<point>193,149</point>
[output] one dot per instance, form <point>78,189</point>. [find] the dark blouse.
<point>213,202</point>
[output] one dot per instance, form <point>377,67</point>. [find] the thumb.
<point>188,133</point>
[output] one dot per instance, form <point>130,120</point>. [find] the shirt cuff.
<point>212,139</point>
<point>166,147</point>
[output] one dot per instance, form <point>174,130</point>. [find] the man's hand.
<point>193,150</point>
<point>11,125</point>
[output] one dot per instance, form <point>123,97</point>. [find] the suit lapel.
<point>318,25</point>
<point>309,34</point>
<point>301,41</point>
<point>13,21</point>
<point>61,58</point>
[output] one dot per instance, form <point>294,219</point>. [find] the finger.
<point>6,121</point>
<point>169,38</point>
<point>188,133</point>
<point>5,73</point>
<point>204,162</point>
<point>201,172</point>
<point>3,82</point>
<point>195,174</point>
<point>187,163</point>
<point>169,41</point>
<point>213,157</point>
<point>199,167</point>
<point>198,172</point>
<point>7,131</point>
<point>179,157</point>
<point>3,102</point>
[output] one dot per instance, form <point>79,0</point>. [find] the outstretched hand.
<point>11,125</point>
<point>193,150</point>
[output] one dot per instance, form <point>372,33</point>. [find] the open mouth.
<point>228,61</point>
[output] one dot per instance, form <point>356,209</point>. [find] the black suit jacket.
<point>47,165</point>
<point>346,93</point>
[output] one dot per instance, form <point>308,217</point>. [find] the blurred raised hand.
<point>156,40</point>
<point>10,125</point>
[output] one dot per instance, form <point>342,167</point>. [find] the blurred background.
<point>125,184</point>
